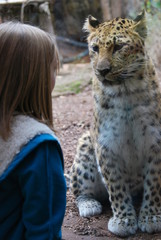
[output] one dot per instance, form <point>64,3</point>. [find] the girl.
<point>32,184</point>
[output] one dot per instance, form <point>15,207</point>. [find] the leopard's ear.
<point>90,24</point>
<point>140,25</point>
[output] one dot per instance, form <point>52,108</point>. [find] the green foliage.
<point>152,5</point>
<point>73,87</point>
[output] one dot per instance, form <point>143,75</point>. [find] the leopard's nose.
<point>104,71</point>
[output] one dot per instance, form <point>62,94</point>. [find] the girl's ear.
<point>90,24</point>
<point>140,26</point>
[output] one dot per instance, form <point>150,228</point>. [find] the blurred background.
<point>65,19</point>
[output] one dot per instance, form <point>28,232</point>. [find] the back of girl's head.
<point>26,53</point>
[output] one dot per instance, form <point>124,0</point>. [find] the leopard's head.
<point>116,47</point>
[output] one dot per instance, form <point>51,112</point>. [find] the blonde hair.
<point>26,54</point>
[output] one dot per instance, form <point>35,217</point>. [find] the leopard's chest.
<point>128,134</point>
<point>118,132</point>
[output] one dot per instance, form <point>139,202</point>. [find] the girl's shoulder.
<point>28,126</point>
<point>26,134</point>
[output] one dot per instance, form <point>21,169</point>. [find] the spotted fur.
<point>121,154</point>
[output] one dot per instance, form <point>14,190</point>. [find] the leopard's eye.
<point>95,48</point>
<point>118,47</point>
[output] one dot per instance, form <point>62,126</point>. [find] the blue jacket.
<point>33,192</point>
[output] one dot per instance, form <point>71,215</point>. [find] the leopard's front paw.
<point>149,223</point>
<point>123,226</point>
<point>88,206</point>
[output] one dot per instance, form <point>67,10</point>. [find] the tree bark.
<point>105,5</point>
<point>116,8</point>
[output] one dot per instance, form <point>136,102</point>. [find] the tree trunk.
<point>116,8</point>
<point>105,5</point>
<point>45,20</point>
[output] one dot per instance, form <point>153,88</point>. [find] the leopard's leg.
<point>150,212</point>
<point>85,180</point>
<point>124,220</point>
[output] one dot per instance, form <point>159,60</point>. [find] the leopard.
<point>120,154</point>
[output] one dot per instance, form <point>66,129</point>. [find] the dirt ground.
<point>72,117</point>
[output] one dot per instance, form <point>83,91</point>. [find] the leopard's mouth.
<point>112,78</point>
<point>112,82</point>
<point>111,74</point>
<point>116,76</point>
<point>118,72</point>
